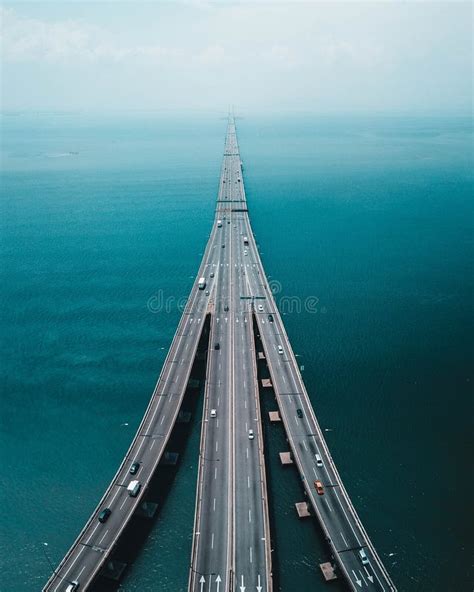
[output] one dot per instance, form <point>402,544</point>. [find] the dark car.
<point>104,515</point>
<point>134,468</point>
<point>226,308</point>
<point>223,246</point>
<point>217,345</point>
<point>270,318</point>
<point>299,413</point>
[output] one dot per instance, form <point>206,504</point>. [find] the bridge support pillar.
<point>169,459</point>
<point>113,570</point>
<point>146,510</point>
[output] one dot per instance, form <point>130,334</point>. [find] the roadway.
<point>94,544</point>
<point>231,542</point>
<point>337,516</point>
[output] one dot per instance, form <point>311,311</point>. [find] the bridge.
<point>231,536</point>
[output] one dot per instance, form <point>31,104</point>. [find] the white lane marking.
<point>248,481</point>
<point>217,445</point>
<point>251,560</point>
<point>162,419</point>
<point>212,541</point>
<point>347,518</point>
<point>152,444</point>
<point>102,538</point>
<point>123,503</point>
<point>250,515</point>
<point>215,473</point>
<point>214,505</point>
<point>305,446</point>
<point>80,573</point>
<point>328,505</point>
<point>344,539</point>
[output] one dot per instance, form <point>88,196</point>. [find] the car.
<point>223,246</point>
<point>134,468</point>
<point>207,292</point>
<point>260,308</point>
<point>363,556</point>
<point>104,515</point>
<point>228,221</point>
<point>217,345</point>
<point>319,460</point>
<point>226,308</point>
<point>299,413</point>
<point>280,349</point>
<point>251,435</point>
<point>134,488</point>
<point>270,318</point>
<point>212,274</point>
<point>73,586</point>
<point>213,413</point>
<point>319,487</point>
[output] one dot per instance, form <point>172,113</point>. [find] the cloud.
<point>27,39</point>
<point>362,55</point>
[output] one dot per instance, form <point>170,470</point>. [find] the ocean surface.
<point>371,216</point>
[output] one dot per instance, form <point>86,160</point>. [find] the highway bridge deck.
<point>231,536</point>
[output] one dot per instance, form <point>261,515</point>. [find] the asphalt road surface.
<point>231,542</point>
<point>231,545</point>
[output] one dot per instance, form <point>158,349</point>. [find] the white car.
<point>250,434</point>
<point>280,350</point>
<point>260,308</point>
<point>363,556</point>
<point>213,413</point>
<point>319,461</point>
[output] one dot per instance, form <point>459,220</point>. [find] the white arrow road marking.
<point>357,581</point>
<point>369,577</point>
<point>242,587</point>
<point>378,579</point>
<point>201,581</point>
<point>362,576</point>
<point>218,582</point>
<point>259,587</point>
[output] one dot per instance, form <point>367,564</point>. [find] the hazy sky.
<point>316,56</point>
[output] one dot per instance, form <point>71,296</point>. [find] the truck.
<point>133,488</point>
<point>202,283</point>
<point>246,240</point>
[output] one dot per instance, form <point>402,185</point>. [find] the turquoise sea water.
<point>371,216</point>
